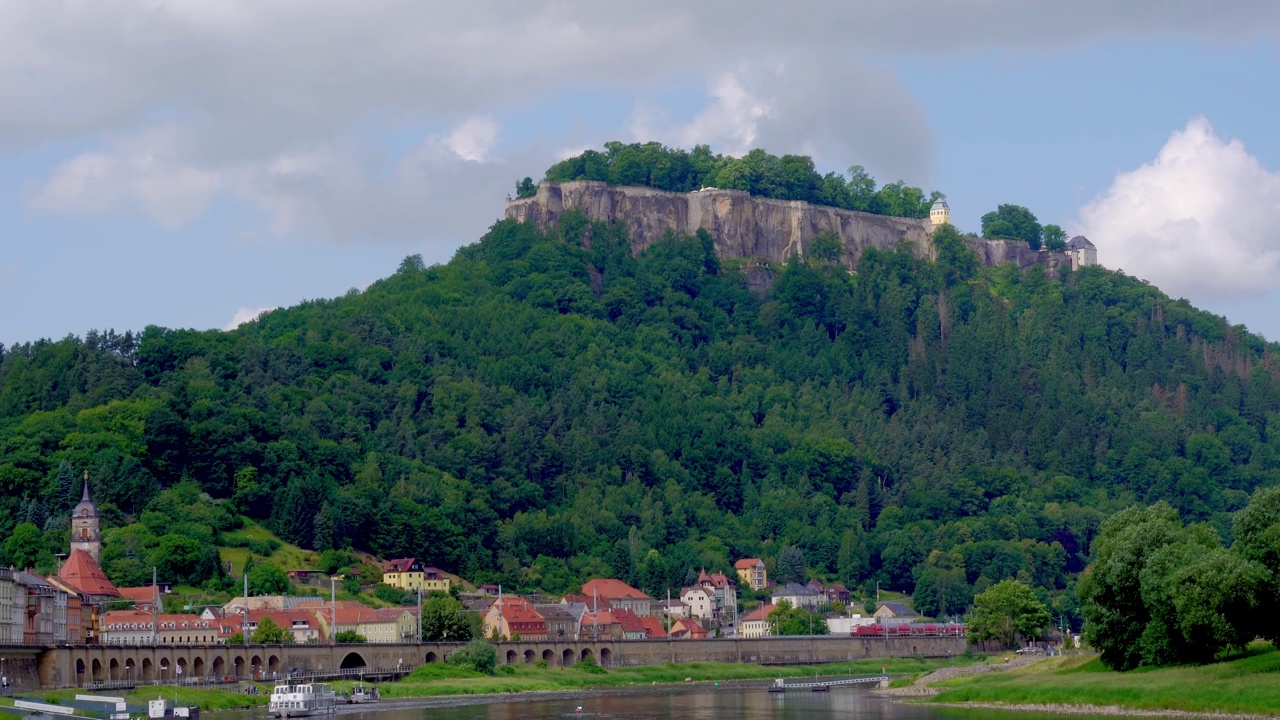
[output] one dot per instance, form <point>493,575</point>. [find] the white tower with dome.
<point>940,213</point>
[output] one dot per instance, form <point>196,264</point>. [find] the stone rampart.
<point>744,226</point>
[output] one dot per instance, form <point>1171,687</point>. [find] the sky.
<point>191,164</point>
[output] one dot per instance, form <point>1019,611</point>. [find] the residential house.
<point>653,629</point>
<point>837,593</point>
<point>143,598</point>
<point>514,617</point>
<point>135,627</point>
<point>77,612</point>
<point>599,624</point>
<point>409,574</point>
<point>303,624</point>
<point>752,573</point>
<point>562,620</point>
<point>620,595</point>
<point>724,594</point>
<point>43,604</point>
<point>306,576</point>
<point>799,596</point>
<point>672,609</point>
<point>755,624</point>
<point>630,625</point>
<point>894,613</point>
<point>490,590</point>
<point>13,606</point>
<point>700,601</point>
<point>687,629</point>
<point>375,625</point>
<point>592,602</point>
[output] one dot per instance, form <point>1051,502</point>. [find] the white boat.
<point>364,694</point>
<point>301,700</point>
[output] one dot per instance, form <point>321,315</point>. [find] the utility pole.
<point>155,602</point>
<point>333,611</point>
<point>244,628</point>
<point>419,614</point>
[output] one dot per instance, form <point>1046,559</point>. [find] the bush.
<point>589,665</point>
<point>389,594</point>
<point>477,655</point>
<point>541,664</point>
<point>265,547</point>
<point>507,669</point>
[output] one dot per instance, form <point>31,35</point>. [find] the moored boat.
<point>301,700</point>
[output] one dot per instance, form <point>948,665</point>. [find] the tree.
<point>791,565</point>
<point>269,633</point>
<point>1007,611</point>
<point>852,560</point>
<point>349,636</point>
<point>26,548</point>
<point>788,620</point>
<point>942,590</point>
<point>268,579</point>
<point>825,248</point>
<point>526,188</point>
<point>1055,238</point>
<point>445,618</point>
<point>1012,222</point>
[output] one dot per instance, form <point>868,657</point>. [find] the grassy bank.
<point>1249,683</point>
<point>205,699</point>
<point>438,679</point>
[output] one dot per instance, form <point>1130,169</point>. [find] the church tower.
<point>85,528</point>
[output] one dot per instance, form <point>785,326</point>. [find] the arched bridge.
<point>128,664</point>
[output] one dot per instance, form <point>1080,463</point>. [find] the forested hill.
<point>543,409</point>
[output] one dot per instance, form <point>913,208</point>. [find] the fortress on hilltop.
<point>746,226</point>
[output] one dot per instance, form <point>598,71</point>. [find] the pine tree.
<point>852,562</point>
<point>65,491</point>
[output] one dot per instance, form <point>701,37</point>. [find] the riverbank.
<point>1246,685</point>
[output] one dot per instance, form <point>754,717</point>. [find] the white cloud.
<point>288,104</point>
<point>1199,221</point>
<point>246,314</point>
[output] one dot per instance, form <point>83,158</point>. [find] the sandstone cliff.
<point>752,227</point>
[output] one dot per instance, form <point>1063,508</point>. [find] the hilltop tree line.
<point>548,408</point>
<point>789,177</point>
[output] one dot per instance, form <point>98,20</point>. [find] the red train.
<point>910,630</point>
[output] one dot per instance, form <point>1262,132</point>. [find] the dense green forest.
<point>790,177</point>
<point>546,408</point>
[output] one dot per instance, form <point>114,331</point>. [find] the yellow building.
<point>381,625</point>
<point>752,573</point>
<point>940,213</point>
<point>409,574</point>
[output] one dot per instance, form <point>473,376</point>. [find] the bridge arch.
<point>130,667</point>
<point>548,656</point>
<point>97,670</point>
<point>273,664</point>
<point>606,657</point>
<point>529,656</point>
<point>238,665</point>
<point>80,671</point>
<point>197,667</point>
<point>148,672</point>
<point>255,666</point>
<point>180,669</point>
<point>586,654</point>
<point>431,657</point>
<point>566,658</point>
<point>113,669</point>
<point>511,657</point>
<point>219,668</point>
<point>352,660</point>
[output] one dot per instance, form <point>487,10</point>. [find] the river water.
<point>701,703</point>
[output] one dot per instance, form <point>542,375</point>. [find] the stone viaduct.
<point>81,665</point>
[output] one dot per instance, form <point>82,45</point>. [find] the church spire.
<point>84,497</point>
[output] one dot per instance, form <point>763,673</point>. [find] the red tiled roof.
<point>612,589</point>
<point>761,613</point>
<point>746,563</point>
<point>599,602</point>
<point>399,565</point>
<point>139,595</point>
<point>135,616</point>
<point>629,621</point>
<point>82,573</point>
<point>653,628</point>
<point>358,615</point>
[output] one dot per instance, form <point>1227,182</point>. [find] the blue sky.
<point>189,164</point>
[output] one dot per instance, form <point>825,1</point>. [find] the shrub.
<point>507,670</point>
<point>477,655</point>
<point>589,665</point>
<point>541,664</point>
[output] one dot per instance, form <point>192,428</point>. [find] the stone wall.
<point>752,227</point>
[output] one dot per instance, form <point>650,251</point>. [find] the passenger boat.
<point>364,694</point>
<point>301,700</point>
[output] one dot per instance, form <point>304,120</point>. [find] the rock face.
<point>752,227</point>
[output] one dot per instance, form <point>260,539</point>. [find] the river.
<point>682,703</point>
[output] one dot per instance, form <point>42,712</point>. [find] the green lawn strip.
<point>1247,684</point>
